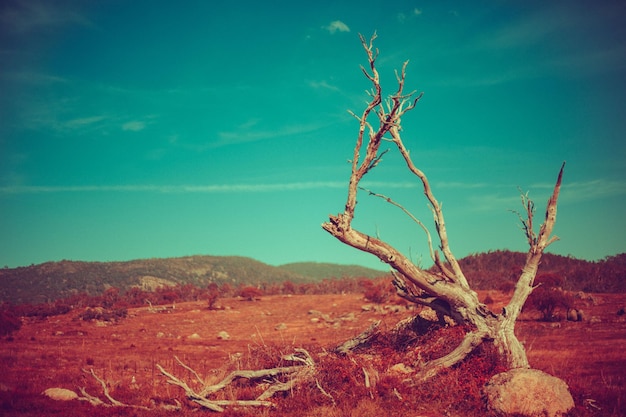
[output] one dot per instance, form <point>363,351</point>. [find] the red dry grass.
<point>53,353</point>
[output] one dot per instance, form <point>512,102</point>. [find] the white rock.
<point>60,394</point>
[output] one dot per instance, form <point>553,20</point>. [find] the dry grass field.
<point>57,352</point>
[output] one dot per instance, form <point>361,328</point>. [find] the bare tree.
<point>447,290</point>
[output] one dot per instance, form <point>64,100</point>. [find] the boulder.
<point>574,315</point>
<point>528,392</point>
<point>60,394</point>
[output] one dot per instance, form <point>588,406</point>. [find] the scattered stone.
<point>587,298</point>
<point>194,336</point>
<point>281,326</point>
<point>223,335</point>
<point>321,316</point>
<point>159,335</point>
<point>348,317</point>
<point>401,368</point>
<point>574,315</point>
<point>395,308</point>
<point>60,394</point>
<point>528,392</point>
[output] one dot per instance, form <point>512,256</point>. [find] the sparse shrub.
<point>378,291</point>
<point>213,293</point>
<point>9,322</point>
<point>102,314</point>
<point>250,293</point>
<point>549,296</point>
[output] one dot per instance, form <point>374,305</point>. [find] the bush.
<point>378,291</point>
<point>213,293</point>
<point>549,296</point>
<point>250,293</point>
<point>9,323</point>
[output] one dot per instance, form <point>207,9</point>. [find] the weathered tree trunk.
<point>446,291</point>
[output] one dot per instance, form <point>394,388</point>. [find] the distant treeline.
<point>51,281</point>
<point>113,303</point>
<point>501,269</point>
<point>46,283</point>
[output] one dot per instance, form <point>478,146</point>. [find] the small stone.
<point>60,394</point>
<point>223,335</point>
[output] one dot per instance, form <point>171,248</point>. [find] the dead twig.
<point>295,374</point>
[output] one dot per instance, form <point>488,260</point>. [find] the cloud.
<point>198,189</point>
<point>245,134</point>
<point>134,126</point>
<point>403,17</point>
<point>337,26</point>
<point>201,189</point>
<point>20,17</point>
<point>323,85</point>
<point>83,122</point>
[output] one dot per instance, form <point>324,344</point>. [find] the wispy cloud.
<point>337,26</point>
<point>83,122</point>
<point>245,133</point>
<point>403,17</point>
<point>571,192</point>
<point>134,126</point>
<point>32,78</point>
<point>199,189</point>
<point>20,17</point>
<point>323,85</point>
<point>592,190</point>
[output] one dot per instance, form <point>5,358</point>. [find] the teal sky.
<point>140,129</point>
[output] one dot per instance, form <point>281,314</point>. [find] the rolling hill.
<point>53,280</point>
<point>492,270</point>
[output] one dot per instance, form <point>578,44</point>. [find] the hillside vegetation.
<point>319,271</point>
<point>54,280</point>
<point>493,270</point>
<point>500,270</point>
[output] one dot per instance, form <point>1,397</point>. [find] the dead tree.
<point>446,290</point>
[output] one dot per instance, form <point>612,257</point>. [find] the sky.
<point>151,129</point>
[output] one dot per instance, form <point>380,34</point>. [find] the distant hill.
<point>319,271</point>
<point>492,270</point>
<point>53,280</point>
<point>501,268</point>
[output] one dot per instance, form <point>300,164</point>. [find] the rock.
<point>574,315</point>
<point>401,368</point>
<point>60,394</point>
<point>280,326</point>
<point>581,316</point>
<point>528,392</point>
<point>223,335</point>
<point>194,336</point>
